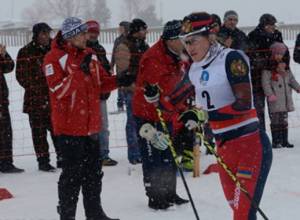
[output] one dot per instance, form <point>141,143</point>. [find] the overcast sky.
<point>287,11</point>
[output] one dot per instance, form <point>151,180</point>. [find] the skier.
<point>221,77</point>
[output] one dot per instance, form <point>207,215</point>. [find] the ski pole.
<point>231,175</point>
<point>172,149</point>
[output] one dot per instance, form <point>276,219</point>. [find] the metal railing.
<point>20,37</point>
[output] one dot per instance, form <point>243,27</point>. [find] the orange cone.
<point>5,194</point>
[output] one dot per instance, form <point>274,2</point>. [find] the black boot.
<point>276,136</point>
<point>285,142</point>
<point>46,167</point>
<point>175,199</point>
<point>9,168</point>
<point>159,204</point>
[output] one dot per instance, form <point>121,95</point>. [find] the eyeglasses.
<point>191,41</point>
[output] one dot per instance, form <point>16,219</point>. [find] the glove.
<point>85,64</point>
<point>192,118</point>
<point>151,93</point>
<point>157,138</point>
<point>125,79</point>
<point>272,98</point>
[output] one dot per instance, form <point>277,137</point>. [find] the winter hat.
<point>172,30</point>
<point>72,26</point>
<point>137,25</point>
<point>278,48</point>
<point>125,24</point>
<point>216,19</point>
<point>197,23</point>
<point>40,27</point>
<point>93,26</point>
<point>230,13</point>
<point>267,19</point>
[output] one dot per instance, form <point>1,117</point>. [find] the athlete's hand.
<point>193,118</point>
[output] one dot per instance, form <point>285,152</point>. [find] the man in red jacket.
<point>75,80</point>
<point>160,65</point>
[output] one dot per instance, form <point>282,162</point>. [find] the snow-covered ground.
<point>35,193</point>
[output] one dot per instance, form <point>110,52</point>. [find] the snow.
<point>123,195</point>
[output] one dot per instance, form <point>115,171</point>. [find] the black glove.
<point>125,79</point>
<point>85,64</point>
<point>152,93</point>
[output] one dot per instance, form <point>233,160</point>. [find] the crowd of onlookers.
<point>61,81</point>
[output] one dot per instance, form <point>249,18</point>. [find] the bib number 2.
<point>205,95</point>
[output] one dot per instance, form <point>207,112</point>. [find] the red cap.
<point>93,26</point>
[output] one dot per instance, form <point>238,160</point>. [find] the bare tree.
<point>101,12</point>
<point>132,8</point>
<point>150,17</point>
<point>57,10</point>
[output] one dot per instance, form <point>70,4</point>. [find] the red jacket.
<point>74,96</point>
<point>157,66</point>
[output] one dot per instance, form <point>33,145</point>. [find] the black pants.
<point>81,169</point>
<point>159,168</point>
<point>259,103</point>
<point>279,127</point>
<point>5,136</point>
<point>40,123</point>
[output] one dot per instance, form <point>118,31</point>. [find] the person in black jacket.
<point>260,40</point>
<point>297,50</point>
<point>30,76</point>
<point>94,30</point>
<point>6,157</point>
<point>230,35</point>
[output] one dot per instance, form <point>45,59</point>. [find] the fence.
<point>20,37</point>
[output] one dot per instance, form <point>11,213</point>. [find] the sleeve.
<point>101,78</point>
<point>22,69</point>
<point>122,58</point>
<point>238,75</point>
<point>266,83</point>
<point>7,63</point>
<point>62,82</point>
<point>293,82</point>
<point>297,50</point>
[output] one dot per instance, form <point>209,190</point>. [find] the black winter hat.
<point>267,19</point>
<point>40,27</point>
<point>197,23</point>
<point>137,25</point>
<point>216,19</point>
<point>172,30</point>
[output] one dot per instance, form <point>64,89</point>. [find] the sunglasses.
<point>191,41</point>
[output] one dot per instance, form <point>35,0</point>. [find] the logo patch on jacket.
<point>238,68</point>
<point>244,172</point>
<point>49,70</point>
<point>204,78</point>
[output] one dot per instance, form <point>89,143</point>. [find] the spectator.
<point>30,76</point>
<point>160,66</point>
<point>230,35</point>
<point>260,40</point>
<point>93,32</point>
<point>297,50</point>
<point>6,156</point>
<point>123,31</point>
<point>278,83</point>
<point>76,79</point>
<point>127,58</point>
